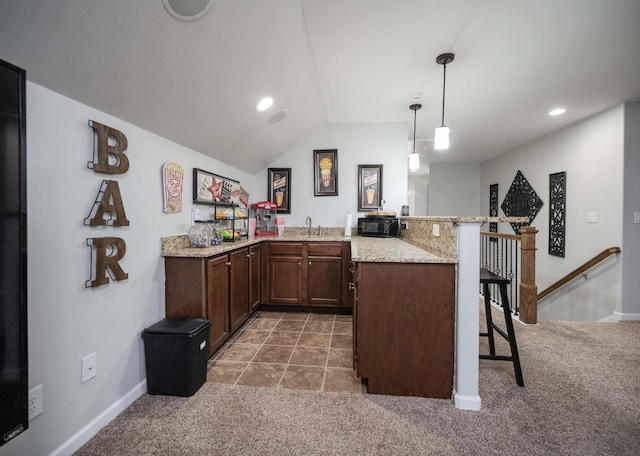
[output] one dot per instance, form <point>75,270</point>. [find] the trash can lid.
<point>178,326</point>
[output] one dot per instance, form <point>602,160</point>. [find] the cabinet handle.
<point>229,263</point>
<point>248,256</point>
<point>352,270</point>
<point>309,263</point>
<point>351,286</point>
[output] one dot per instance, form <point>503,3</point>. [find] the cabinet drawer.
<point>325,249</point>
<point>285,248</point>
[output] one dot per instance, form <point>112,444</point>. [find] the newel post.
<point>528,289</point>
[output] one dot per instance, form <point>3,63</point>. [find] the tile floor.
<point>294,350</point>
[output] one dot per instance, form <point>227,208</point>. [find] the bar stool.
<point>486,278</point>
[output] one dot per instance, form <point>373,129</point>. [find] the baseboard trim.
<point>626,316</point>
<point>81,437</point>
<point>466,402</point>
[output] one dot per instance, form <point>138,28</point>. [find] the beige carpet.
<point>581,397</point>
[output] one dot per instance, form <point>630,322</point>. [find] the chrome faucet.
<point>308,222</point>
<point>319,230</point>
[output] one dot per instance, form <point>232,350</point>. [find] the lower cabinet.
<point>214,288</point>
<point>404,328</point>
<point>239,310</point>
<point>308,273</point>
<point>255,276</point>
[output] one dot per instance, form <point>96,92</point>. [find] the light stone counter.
<point>391,250</point>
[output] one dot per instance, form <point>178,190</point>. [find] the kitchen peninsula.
<point>416,304</point>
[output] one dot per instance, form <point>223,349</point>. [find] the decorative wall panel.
<point>521,201</point>
<point>493,208</point>
<point>557,213</point>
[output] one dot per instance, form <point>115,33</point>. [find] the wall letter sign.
<point>107,200</point>
<point>109,143</point>
<point>102,150</point>
<point>109,250</point>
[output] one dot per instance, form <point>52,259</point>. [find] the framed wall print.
<point>325,172</point>
<point>279,188</point>
<point>369,187</point>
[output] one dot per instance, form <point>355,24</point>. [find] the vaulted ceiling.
<point>332,61</point>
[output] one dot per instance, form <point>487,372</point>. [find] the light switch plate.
<point>436,230</point>
<point>636,217</point>
<point>592,217</point>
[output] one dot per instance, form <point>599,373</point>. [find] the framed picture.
<point>279,188</point>
<point>209,188</point>
<point>325,172</point>
<point>369,187</point>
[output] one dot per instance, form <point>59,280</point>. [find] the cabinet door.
<point>255,265</point>
<point>238,281</point>
<point>218,301</point>
<point>324,284</point>
<point>285,280</point>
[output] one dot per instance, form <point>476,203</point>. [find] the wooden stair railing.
<point>579,271</point>
<point>528,291</point>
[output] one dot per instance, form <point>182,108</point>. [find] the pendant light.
<point>414,158</point>
<point>441,141</point>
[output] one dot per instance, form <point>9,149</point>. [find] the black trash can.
<point>176,352</point>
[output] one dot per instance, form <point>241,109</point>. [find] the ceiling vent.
<point>277,117</point>
<point>187,10</point>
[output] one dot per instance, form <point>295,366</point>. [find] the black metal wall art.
<point>493,208</point>
<point>521,201</point>
<point>557,213</point>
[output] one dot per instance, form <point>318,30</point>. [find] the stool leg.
<point>512,336</point>
<point>487,311</point>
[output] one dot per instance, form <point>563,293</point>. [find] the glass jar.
<point>199,235</point>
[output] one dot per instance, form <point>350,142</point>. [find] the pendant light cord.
<point>414,130</point>
<point>444,84</point>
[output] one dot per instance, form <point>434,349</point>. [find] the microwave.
<point>378,226</point>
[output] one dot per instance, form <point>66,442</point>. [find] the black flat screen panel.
<point>13,250</point>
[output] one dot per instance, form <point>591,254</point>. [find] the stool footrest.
<point>497,357</point>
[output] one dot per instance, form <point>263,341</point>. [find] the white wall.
<point>453,189</point>
<point>376,143</point>
<point>66,320</point>
<point>591,153</point>
<point>631,231</point>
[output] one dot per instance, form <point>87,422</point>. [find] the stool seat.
<point>487,278</point>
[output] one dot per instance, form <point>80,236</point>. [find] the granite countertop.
<point>363,249</point>
<point>391,250</point>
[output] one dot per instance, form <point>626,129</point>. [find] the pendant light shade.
<point>414,158</point>
<point>441,141</point>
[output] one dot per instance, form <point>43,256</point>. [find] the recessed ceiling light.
<point>557,111</point>
<point>264,104</point>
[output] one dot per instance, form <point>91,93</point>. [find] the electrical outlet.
<point>89,367</point>
<point>35,402</point>
<point>436,230</point>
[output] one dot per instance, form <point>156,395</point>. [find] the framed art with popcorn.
<point>325,172</point>
<point>369,187</point>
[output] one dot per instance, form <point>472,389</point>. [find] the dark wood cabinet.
<point>308,273</point>
<point>285,273</point>
<point>255,276</point>
<point>404,328</point>
<point>324,274</point>
<point>214,288</point>
<point>238,288</point>
<point>217,310</point>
